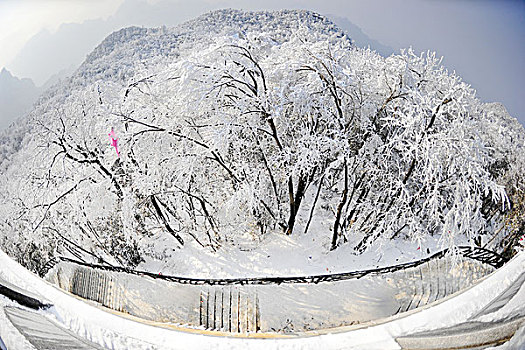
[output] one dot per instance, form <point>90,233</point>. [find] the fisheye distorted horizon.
<point>480,40</point>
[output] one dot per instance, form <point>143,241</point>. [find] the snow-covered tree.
<point>275,123</point>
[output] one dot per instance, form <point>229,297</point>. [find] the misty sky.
<point>482,40</point>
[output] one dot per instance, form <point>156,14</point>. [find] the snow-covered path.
<point>43,333</point>
<point>494,300</point>
<point>475,330</point>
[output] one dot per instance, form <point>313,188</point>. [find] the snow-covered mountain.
<point>16,97</point>
<point>239,127</point>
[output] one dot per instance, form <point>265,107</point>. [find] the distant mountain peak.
<point>7,77</point>
<point>16,97</point>
<point>5,74</point>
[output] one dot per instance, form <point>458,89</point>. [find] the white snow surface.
<point>116,332</point>
<point>281,255</point>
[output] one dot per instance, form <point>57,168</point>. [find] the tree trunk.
<point>295,201</point>
<point>340,210</point>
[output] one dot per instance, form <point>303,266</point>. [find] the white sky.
<point>483,40</point>
<point>22,19</point>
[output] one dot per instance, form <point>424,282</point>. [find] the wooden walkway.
<point>248,304</point>
<point>45,334</point>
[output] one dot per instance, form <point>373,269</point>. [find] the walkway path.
<point>39,330</point>
<point>45,334</point>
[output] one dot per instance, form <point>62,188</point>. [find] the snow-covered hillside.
<point>243,133</point>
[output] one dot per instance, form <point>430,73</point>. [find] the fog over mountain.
<point>480,40</point>
<point>74,41</point>
<point>16,97</point>
<point>39,60</point>
<point>359,38</point>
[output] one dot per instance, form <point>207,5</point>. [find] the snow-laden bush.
<point>255,130</point>
<point>505,140</point>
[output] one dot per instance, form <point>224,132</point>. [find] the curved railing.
<point>304,302</point>
<point>479,254</point>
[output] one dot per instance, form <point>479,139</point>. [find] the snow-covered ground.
<point>281,255</point>
<point>118,332</point>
